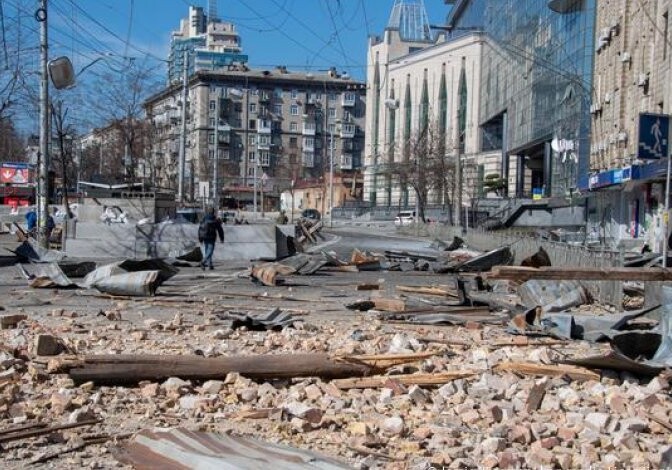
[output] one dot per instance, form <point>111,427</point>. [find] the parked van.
<point>404,218</point>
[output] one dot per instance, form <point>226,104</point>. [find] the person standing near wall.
<point>208,231</point>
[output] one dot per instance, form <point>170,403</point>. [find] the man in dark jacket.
<point>208,230</point>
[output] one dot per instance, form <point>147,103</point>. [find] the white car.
<point>404,218</point>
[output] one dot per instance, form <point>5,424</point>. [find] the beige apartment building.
<point>631,77</point>
<point>259,129</point>
<point>419,81</point>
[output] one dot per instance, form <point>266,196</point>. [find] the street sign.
<point>653,136</point>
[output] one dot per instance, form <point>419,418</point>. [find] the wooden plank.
<point>42,431</point>
<point>389,305</point>
<point>521,273</point>
<point>429,290</point>
<point>117,369</point>
<point>368,287</point>
<point>406,379</point>
<point>558,370</point>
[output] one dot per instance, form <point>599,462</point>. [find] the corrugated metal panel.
<point>183,449</point>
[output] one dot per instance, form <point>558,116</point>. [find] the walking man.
<point>208,230</point>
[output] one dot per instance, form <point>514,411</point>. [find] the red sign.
<point>14,175</point>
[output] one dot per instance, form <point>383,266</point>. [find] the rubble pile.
<point>447,380</point>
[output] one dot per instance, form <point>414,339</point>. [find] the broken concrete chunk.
<point>11,321</point>
<point>48,345</point>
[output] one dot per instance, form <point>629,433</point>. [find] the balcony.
<point>263,144</point>
<point>265,96</point>
<point>348,99</point>
<point>224,137</point>
<point>309,144</point>
<point>309,128</point>
<point>308,159</point>
<point>264,126</point>
<point>346,161</point>
<point>348,131</point>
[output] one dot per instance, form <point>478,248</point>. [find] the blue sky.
<point>295,33</point>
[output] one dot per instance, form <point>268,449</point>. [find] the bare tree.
<point>421,163</point>
<point>119,98</point>
<point>63,159</point>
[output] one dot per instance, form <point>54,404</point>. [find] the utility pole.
<point>254,176</point>
<point>215,169</point>
<point>331,179</point>
<point>666,214</point>
<point>183,131</point>
<point>43,180</point>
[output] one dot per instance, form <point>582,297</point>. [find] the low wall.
<point>169,239</point>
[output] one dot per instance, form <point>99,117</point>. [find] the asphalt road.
<point>344,240</point>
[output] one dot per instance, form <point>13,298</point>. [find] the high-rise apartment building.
<point>207,42</point>
<point>268,127</point>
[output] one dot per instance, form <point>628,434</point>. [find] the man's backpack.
<point>207,230</point>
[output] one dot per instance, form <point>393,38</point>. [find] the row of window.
<point>308,159</point>
<point>295,94</point>
<point>294,110</point>
<point>293,126</point>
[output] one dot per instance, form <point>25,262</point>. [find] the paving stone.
<point>212,387</point>
<point>597,421</point>
<point>634,424</point>
<point>492,445</point>
<point>393,426</point>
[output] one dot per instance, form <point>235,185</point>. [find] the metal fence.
<point>525,243</point>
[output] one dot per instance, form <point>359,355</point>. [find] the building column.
<point>548,169</point>
<point>520,176</point>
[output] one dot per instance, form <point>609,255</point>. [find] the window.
<point>331,112</point>
<point>250,171</point>
<point>666,31</point>
<point>294,110</point>
<point>294,94</point>
<point>293,142</point>
<point>211,154</point>
<point>212,105</point>
<point>212,122</point>
<point>277,126</point>
<point>331,96</point>
<point>317,95</point>
<point>253,123</point>
<point>253,107</point>
<point>264,140</point>
<point>347,116</point>
<point>309,142</point>
<point>211,137</point>
<point>293,127</point>
<point>349,96</point>
<point>277,109</point>
<point>252,139</point>
<point>264,158</point>
<point>223,154</point>
<point>277,92</point>
<point>332,128</point>
<point>292,158</point>
<point>251,157</point>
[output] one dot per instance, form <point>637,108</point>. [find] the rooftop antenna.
<point>212,11</point>
<point>410,18</point>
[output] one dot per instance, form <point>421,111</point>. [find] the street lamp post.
<point>331,171</point>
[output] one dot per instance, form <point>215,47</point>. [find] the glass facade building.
<point>536,86</point>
